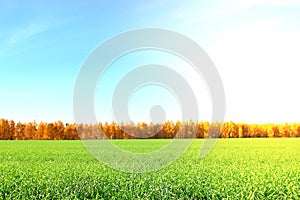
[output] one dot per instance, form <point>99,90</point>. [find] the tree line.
<point>9,130</point>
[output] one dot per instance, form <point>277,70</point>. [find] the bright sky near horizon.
<point>254,44</point>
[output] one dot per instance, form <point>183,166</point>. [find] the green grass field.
<point>235,169</point>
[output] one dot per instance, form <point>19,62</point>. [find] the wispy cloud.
<point>247,4</point>
<point>235,6</point>
<point>26,32</point>
<point>151,5</point>
<point>9,44</point>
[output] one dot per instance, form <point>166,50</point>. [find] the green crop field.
<point>236,169</point>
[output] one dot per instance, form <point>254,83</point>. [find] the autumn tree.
<point>11,129</point>
<point>30,131</point>
<point>40,133</point>
<point>19,131</point>
<point>70,132</point>
<point>4,129</point>
<point>59,128</point>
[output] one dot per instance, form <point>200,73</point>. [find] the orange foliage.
<point>9,130</point>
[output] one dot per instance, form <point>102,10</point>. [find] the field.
<point>236,169</point>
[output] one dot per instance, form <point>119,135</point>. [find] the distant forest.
<point>9,130</point>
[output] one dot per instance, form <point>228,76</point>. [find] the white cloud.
<point>223,8</point>
<point>27,32</point>
<point>249,3</point>
<point>145,6</point>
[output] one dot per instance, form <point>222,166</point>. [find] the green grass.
<point>235,169</point>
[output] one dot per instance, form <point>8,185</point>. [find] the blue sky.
<point>254,44</point>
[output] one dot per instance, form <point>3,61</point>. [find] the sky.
<point>254,44</point>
